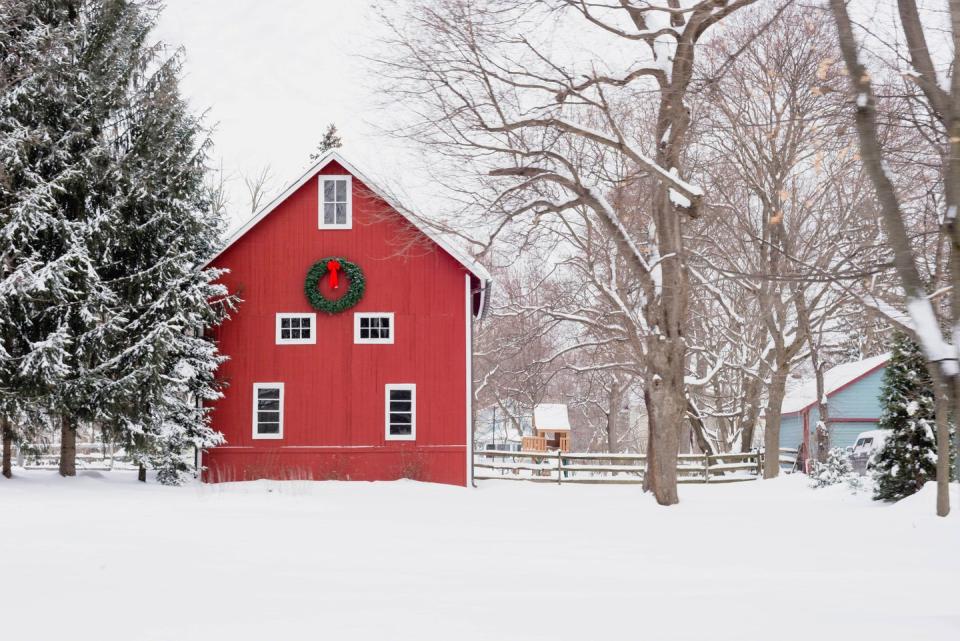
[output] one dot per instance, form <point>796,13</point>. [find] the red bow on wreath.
<point>333,267</point>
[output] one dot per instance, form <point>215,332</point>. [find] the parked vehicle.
<point>867,444</point>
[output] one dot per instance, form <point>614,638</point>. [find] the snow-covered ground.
<point>104,557</point>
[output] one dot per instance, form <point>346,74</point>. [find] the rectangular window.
<point>401,412</point>
<point>335,202</point>
<point>373,328</point>
<point>296,329</point>
<point>268,410</point>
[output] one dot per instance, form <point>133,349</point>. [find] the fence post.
<point>706,467</point>
<point>759,462</point>
<point>559,468</point>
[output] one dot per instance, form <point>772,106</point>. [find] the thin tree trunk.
<point>823,422</point>
<point>771,432</point>
<point>68,447</point>
<point>941,402</point>
<point>142,474</point>
<point>751,414</point>
<point>7,448</point>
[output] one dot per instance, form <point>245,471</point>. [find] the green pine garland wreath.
<point>350,271</point>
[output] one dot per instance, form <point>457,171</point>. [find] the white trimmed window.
<point>374,328</point>
<point>268,410</point>
<point>335,202</point>
<point>401,412</point>
<point>296,329</point>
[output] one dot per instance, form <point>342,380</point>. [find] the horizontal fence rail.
<point>598,467</point>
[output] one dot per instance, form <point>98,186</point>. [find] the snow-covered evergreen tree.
<point>104,225</point>
<point>162,230</point>
<point>908,458</point>
<point>51,149</point>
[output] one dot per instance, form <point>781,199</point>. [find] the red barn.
<point>350,355</point>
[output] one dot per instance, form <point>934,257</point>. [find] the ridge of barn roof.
<point>471,265</point>
<point>834,379</point>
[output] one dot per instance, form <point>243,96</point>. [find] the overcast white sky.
<point>272,74</point>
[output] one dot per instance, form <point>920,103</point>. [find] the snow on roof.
<point>471,265</point>
<point>805,394</point>
<point>552,417</point>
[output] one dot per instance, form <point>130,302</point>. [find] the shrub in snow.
<point>836,470</point>
<point>908,457</point>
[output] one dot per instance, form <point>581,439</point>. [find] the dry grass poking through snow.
<point>103,557</point>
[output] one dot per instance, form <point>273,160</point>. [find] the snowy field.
<point>103,557</point>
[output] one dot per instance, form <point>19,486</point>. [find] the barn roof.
<point>834,379</point>
<point>471,265</point>
<point>551,417</point>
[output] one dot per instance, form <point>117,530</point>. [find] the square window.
<point>296,329</point>
<point>373,328</point>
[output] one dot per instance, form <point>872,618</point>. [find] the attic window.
<point>335,202</point>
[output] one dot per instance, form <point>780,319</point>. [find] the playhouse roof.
<point>551,417</point>
<point>805,394</point>
<point>471,265</point>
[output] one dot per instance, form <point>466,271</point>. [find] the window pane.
<point>364,322</point>
<point>268,405</point>
<point>399,430</point>
<point>374,333</point>
<point>284,333</point>
<point>329,195</point>
<point>328,214</point>
<point>364,332</point>
<point>400,418</point>
<point>268,428</point>
<point>385,322</point>
<point>400,406</point>
<point>400,395</point>
<point>305,333</point>
<point>268,417</point>
<point>284,322</point>
<point>268,392</point>
<point>341,191</point>
<point>341,213</point>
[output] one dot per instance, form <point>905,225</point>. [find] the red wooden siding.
<point>333,424</point>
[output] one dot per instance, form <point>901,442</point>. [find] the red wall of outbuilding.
<point>334,390</point>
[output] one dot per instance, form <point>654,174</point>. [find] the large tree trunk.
<point>666,409</point>
<point>68,447</point>
<point>7,446</point>
<point>771,432</point>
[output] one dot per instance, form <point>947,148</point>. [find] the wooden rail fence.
<point>597,467</point>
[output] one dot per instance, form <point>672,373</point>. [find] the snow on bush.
<point>836,470</point>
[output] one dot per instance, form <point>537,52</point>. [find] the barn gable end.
<point>381,390</point>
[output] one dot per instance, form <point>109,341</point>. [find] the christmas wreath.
<point>332,266</point>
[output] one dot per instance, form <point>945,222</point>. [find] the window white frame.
<point>256,393</point>
<point>412,436</point>
<point>321,201</point>
<point>297,341</point>
<point>359,316</point>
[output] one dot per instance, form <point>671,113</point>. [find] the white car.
<point>867,444</point>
